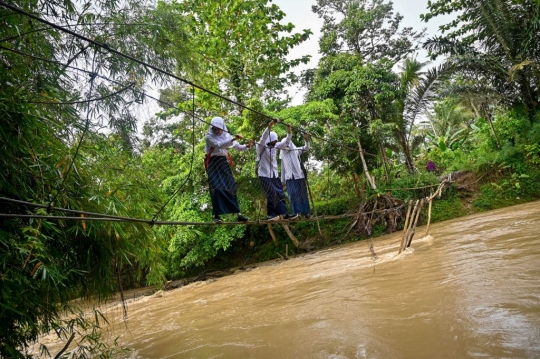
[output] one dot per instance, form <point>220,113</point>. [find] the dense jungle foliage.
<point>86,129</point>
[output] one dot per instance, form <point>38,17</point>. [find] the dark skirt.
<point>275,197</point>
<point>222,186</point>
<point>298,195</point>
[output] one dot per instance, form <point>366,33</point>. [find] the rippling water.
<point>471,289</point>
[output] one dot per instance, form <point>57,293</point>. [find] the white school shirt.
<point>290,161</point>
<point>221,145</point>
<point>266,156</point>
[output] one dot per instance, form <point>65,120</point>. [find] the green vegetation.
<point>69,140</point>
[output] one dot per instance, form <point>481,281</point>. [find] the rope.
<point>67,210</point>
<point>107,218</point>
<point>129,86</point>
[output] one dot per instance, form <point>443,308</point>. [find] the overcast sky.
<point>300,14</point>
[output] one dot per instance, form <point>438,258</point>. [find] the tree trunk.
<point>407,153</point>
<point>364,165</point>
<point>385,165</point>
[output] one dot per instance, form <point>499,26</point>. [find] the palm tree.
<point>495,45</point>
<point>418,90</point>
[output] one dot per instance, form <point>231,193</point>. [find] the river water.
<point>471,289</point>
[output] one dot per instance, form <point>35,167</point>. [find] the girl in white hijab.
<point>267,171</point>
<point>220,177</point>
<point>292,174</point>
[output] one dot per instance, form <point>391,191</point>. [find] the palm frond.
<point>485,64</point>
<point>477,92</point>
<point>493,21</point>
<point>421,95</point>
<point>443,45</point>
<point>410,72</point>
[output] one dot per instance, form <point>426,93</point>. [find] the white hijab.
<point>272,137</point>
<point>225,135</point>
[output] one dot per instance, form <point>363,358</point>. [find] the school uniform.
<point>223,191</point>
<point>267,171</point>
<point>293,176</point>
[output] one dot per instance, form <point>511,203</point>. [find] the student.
<point>267,171</point>
<point>292,176</point>
<point>220,178</point>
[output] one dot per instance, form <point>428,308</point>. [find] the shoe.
<point>242,218</point>
<point>272,218</point>
<point>291,217</point>
<point>217,219</point>
<point>308,216</point>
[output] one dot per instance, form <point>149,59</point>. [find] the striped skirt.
<point>298,195</point>
<point>222,186</point>
<point>275,197</point>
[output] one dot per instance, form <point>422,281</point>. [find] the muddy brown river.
<point>471,289</point>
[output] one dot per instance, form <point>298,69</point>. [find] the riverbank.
<point>466,193</point>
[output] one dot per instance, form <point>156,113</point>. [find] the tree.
<point>362,42</point>
<point>240,50</point>
<point>417,91</point>
<point>362,94</point>
<point>59,92</point>
<point>366,28</point>
<point>494,44</point>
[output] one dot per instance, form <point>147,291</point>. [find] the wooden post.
<point>415,222</point>
<point>407,217</point>
<point>429,215</point>
<point>291,236</point>
<point>286,250</point>
<point>411,225</point>
<point>272,234</point>
<point>405,227</point>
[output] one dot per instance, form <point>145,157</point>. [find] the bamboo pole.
<point>311,199</point>
<point>272,234</point>
<point>291,236</point>
<point>429,215</point>
<point>411,235</point>
<point>405,227</point>
<point>314,210</point>
<point>411,224</point>
<point>407,217</point>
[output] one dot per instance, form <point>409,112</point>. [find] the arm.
<point>305,148</point>
<point>262,142</point>
<point>240,147</point>
<point>219,143</point>
<point>287,140</point>
<point>227,142</point>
